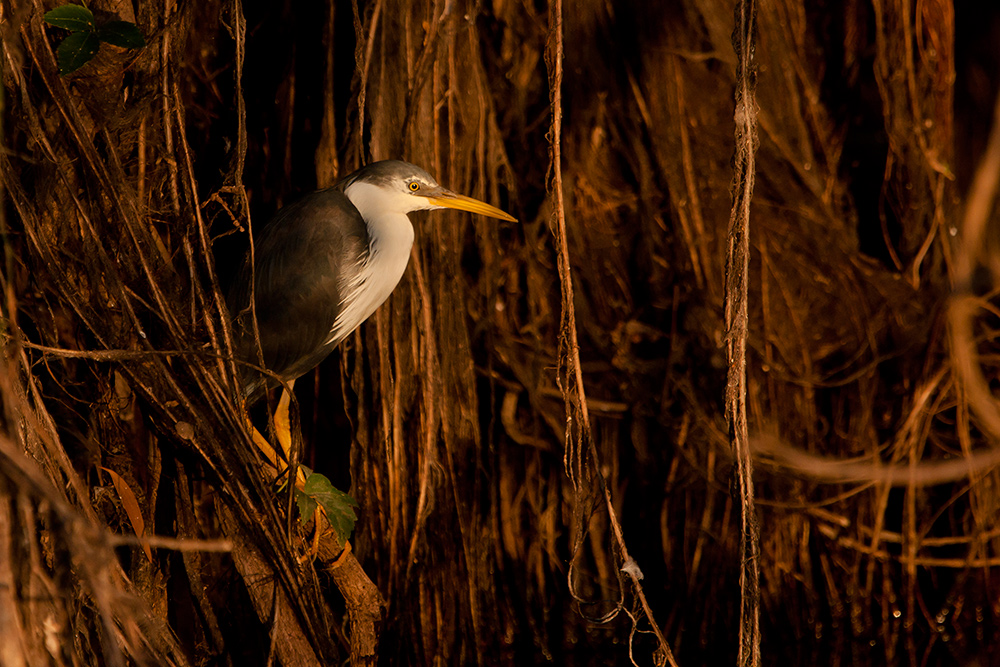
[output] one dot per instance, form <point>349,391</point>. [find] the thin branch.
<point>737,272</point>
<point>576,397</point>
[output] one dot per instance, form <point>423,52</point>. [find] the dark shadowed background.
<point>128,190</point>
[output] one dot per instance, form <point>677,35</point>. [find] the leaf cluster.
<point>85,36</point>
<point>338,506</point>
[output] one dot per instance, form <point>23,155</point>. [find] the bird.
<point>324,264</point>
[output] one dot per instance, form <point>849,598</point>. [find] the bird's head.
<point>393,186</point>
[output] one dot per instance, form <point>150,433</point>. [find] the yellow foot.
<point>319,528</point>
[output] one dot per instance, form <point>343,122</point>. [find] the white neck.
<point>390,236</point>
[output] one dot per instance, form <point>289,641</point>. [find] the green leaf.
<point>71,17</point>
<point>76,51</point>
<point>306,504</point>
<point>339,506</point>
<point>121,33</point>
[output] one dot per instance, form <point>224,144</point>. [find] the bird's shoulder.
<point>322,230</point>
<point>325,216</point>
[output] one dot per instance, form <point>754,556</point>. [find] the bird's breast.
<point>368,283</point>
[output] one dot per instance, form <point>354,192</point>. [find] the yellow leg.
<point>282,424</point>
<point>283,430</point>
<point>263,445</point>
<point>284,436</point>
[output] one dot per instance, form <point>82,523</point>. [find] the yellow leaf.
<point>131,505</point>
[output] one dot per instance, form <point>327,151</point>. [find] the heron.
<point>325,263</point>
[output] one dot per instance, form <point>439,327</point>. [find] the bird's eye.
<point>414,186</point>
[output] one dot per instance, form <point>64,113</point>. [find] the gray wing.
<point>302,263</point>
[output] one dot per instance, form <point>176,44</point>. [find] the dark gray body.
<point>300,258</point>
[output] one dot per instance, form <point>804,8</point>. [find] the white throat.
<point>390,234</point>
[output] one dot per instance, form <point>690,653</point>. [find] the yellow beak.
<point>448,199</point>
